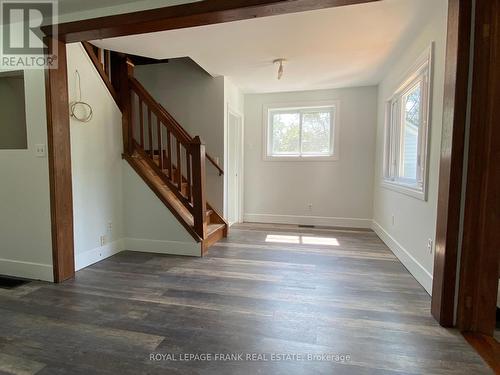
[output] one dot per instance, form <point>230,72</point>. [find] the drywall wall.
<point>414,219</point>
<point>96,163</point>
<point>25,231</point>
<point>196,100</point>
<point>340,192</point>
<point>149,225</point>
<point>13,133</point>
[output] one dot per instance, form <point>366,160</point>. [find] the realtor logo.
<point>23,44</point>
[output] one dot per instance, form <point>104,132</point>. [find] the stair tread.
<point>212,228</point>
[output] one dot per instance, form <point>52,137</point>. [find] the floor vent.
<point>11,282</point>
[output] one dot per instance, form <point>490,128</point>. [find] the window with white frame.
<point>407,131</point>
<point>301,132</point>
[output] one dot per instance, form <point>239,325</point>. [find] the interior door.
<point>234,167</point>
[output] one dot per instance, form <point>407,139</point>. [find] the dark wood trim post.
<point>59,152</point>
<point>199,199</point>
<point>451,164</point>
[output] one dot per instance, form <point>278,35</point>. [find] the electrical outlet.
<point>40,151</point>
<point>393,220</point>
<point>430,244</point>
<point>110,227</point>
<point>310,206</point>
<point>103,240</point>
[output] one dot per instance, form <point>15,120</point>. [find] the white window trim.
<point>301,105</point>
<point>419,191</point>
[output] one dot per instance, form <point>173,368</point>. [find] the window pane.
<point>411,128</point>
<point>285,133</point>
<point>316,133</point>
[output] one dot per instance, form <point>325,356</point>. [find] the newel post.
<point>126,71</point>
<point>199,200</point>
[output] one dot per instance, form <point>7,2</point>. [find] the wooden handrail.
<point>156,138</point>
<point>208,157</point>
<point>146,97</point>
<point>177,160</point>
<point>103,68</point>
<point>173,122</point>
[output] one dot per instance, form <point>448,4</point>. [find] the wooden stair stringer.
<point>148,178</point>
<point>217,227</point>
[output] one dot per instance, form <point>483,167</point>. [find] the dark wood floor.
<point>313,292</point>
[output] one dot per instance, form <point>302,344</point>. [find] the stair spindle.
<point>141,123</point>
<point>159,136</point>
<point>169,155</point>
<point>188,175</point>
<point>150,135</point>
<point>179,165</point>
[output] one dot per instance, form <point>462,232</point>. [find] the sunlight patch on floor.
<point>305,240</point>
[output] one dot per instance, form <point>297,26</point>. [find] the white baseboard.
<point>28,270</point>
<point>343,222</point>
<point>89,257</point>
<point>163,247</point>
<point>411,264</point>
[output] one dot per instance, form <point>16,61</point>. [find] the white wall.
<point>25,229</point>
<point>196,100</point>
<point>415,220</point>
<point>340,192</point>
<point>96,163</point>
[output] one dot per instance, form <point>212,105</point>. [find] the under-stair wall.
<point>149,225</point>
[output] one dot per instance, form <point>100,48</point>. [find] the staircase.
<point>168,159</point>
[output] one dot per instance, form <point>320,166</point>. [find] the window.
<point>299,133</point>
<point>13,135</point>
<point>407,129</point>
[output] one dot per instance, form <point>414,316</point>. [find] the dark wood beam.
<point>186,15</point>
<point>58,138</point>
<point>451,163</point>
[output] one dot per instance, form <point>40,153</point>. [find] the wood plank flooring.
<point>263,291</point>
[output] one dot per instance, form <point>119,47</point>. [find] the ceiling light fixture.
<point>280,67</point>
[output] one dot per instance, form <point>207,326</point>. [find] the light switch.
<point>40,151</point>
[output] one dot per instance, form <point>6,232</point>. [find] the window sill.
<point>300,158</point>
<point>410,190</point>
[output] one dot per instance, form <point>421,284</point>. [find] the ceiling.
<point>336,47</point>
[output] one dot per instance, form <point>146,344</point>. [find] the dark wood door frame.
<point>451,161</point>
<point>167,18</point>
<point>481,242</point>
<point>477,243</point>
